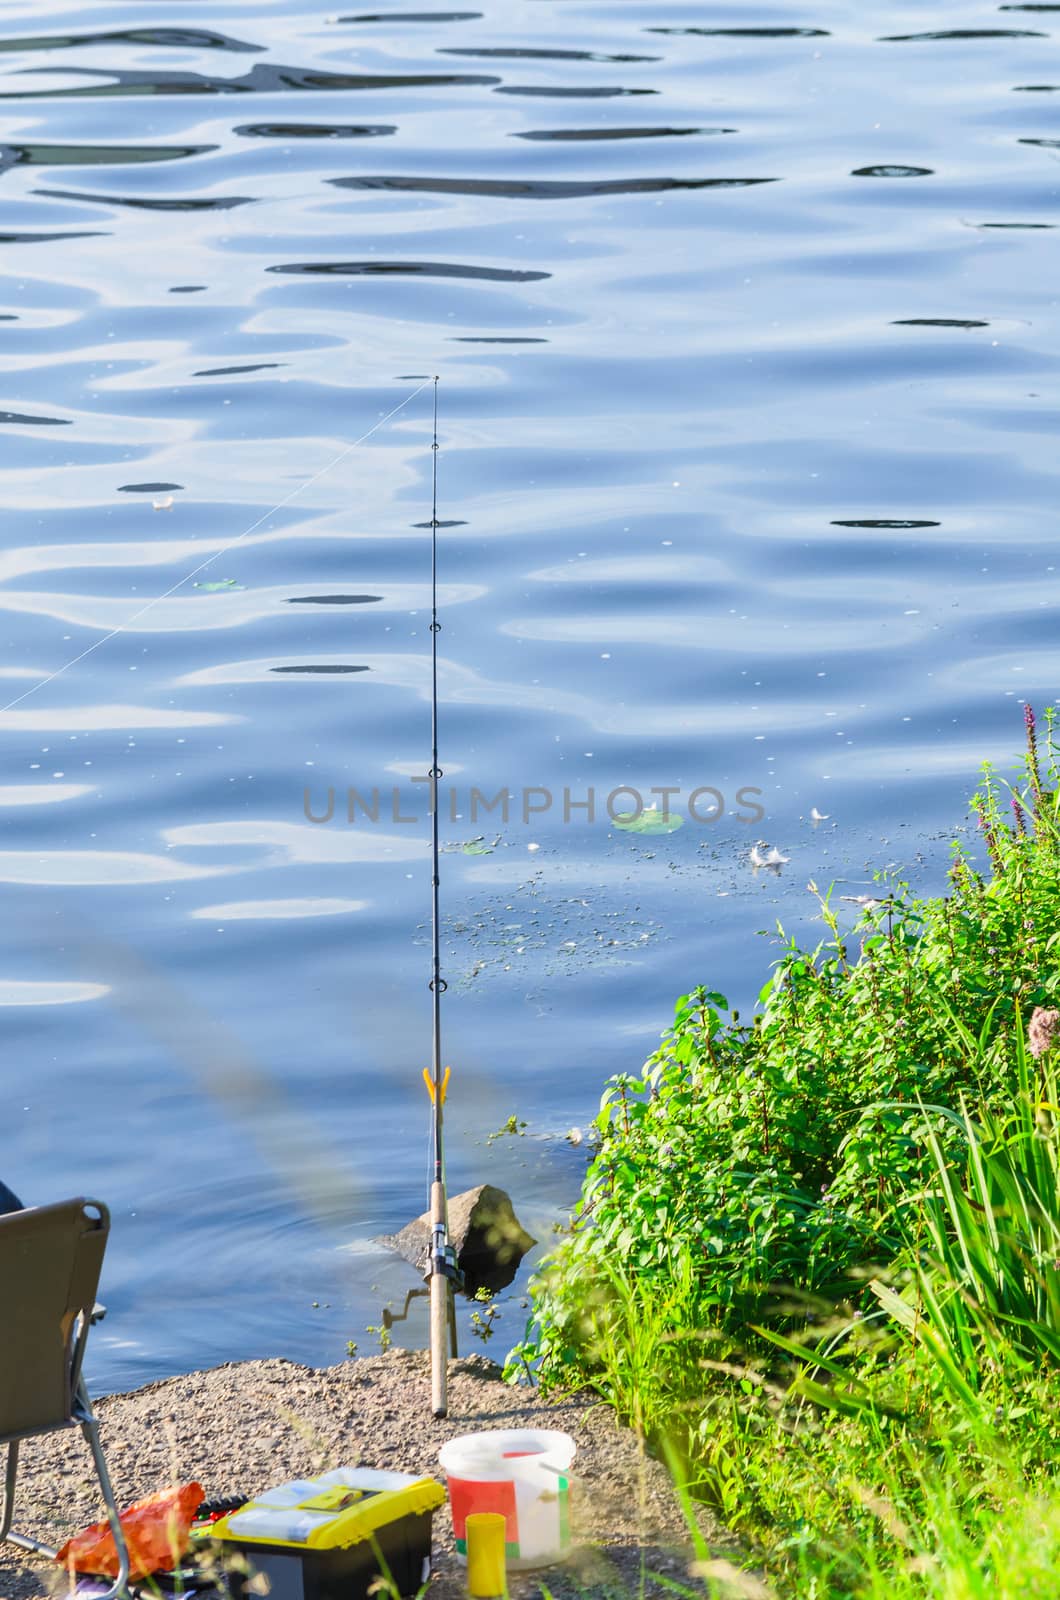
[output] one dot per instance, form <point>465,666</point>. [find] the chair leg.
<point>7,1511</point>
<point>7,1506</point>
<point>119,1590</point>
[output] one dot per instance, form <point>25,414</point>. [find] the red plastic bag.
<point>156,1530</point>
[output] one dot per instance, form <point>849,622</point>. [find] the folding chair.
<point>50,1261</point>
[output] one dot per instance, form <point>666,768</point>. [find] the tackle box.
<point>327,1538</point>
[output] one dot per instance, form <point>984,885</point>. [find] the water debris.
<point>771,857</point>
<point>535,933</point>
<point>867,902</point>
<point>574,1136</point>
<point>163,503</point>
<point>474,847</point>
<point>218,585</point>
<point>818,816</point>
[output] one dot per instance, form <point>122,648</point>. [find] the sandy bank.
<point>242,1427</point>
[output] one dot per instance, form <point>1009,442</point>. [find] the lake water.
<point>746,323</point>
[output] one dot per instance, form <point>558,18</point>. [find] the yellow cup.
<point>486,1577</point>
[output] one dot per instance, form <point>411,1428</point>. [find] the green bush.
<point>760,1169</point>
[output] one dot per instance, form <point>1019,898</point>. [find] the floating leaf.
<point>649,821</point>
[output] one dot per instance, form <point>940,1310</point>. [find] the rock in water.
<point>488,1237</point>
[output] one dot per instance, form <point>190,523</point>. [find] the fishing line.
<point>166,593</point>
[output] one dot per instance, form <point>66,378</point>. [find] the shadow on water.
<point>332,599</point>
<point>560,93</point>
<point>748,33</point>
<point>327,668</point>
<point>525,53</point>
<point>147,488</point>
<point>937,322</point>
<point>315,130</point>
<point>414,16</point>
<point>51,238</point>
<point>231,372</point>
<point>18,419</point>
<point>96,155</point>
<point>157,38</point>
<point>541,189</point>
<point>593,135</point>
<point>962,33</point>
<point>425,269</point>
<point>141,203</point>
<point>892,172</point>
<point>265,78</point>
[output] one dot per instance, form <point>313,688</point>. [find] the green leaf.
<point>649,821</point>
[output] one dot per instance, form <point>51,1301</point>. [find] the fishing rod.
<point>442,1270</point>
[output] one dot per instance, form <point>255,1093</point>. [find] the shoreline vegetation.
<point>816,1263</point>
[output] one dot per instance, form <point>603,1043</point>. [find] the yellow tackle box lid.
<point>330,1512</point>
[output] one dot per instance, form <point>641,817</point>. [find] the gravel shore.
<point>243,1427</point>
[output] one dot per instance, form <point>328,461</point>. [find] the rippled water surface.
<point>746,323</point>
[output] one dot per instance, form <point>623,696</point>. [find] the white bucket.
<point>522,1473</point>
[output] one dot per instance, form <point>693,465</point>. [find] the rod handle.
<point>441,1291</point>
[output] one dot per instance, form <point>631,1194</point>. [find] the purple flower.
<point>1032,755</point>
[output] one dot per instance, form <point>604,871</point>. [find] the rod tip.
<point>440,1413</point>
